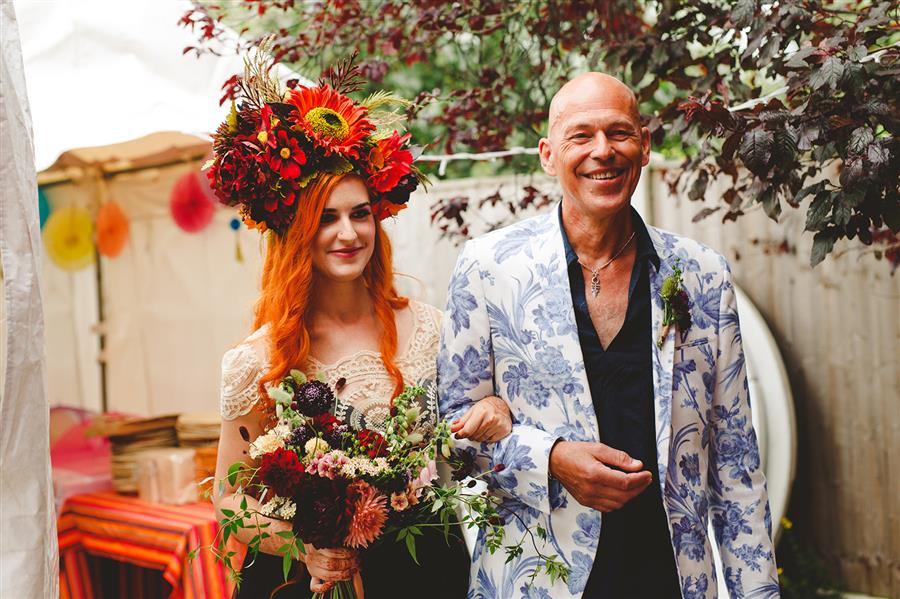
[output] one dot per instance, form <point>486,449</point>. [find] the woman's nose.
<point>346,232</point>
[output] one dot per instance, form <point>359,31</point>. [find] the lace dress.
<point>364,400</point>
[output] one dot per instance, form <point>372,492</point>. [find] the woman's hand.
<point>327,566</point>
<point>487,420</point>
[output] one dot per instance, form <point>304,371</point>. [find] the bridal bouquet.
<point>341,487</point>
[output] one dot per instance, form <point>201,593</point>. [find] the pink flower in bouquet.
<point>426,476</point>
<point>369,509</point>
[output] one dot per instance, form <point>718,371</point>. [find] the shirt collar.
<point>645,249</point>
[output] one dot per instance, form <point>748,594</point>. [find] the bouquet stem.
<point>342,589</point>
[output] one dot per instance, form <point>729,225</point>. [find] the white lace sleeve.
<point>241,371</point>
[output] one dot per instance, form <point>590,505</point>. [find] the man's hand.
<point>487,420</point>
<point>584,470</point>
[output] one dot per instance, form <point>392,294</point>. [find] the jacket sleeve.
<point>466,375</point>
<point>739,505</point>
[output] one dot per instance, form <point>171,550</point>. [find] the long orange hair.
<point>288,279</point>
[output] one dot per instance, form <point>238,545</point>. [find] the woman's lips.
<point>346,253</point>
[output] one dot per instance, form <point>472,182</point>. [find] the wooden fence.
<point>838,328</point>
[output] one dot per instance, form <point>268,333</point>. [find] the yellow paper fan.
<point>69,238</point>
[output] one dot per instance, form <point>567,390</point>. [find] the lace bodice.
<point>365,397</point>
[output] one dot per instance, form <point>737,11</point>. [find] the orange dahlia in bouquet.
<point>275,141</point>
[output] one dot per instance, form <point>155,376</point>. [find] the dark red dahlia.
<point>322,516</point>
<point>281,471</point>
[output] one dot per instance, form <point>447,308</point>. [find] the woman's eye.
<point>327,218</point>
<point>361,213</point>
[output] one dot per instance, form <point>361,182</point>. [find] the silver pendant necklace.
<point>595,272</point>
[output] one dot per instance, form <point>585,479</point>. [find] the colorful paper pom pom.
<point>43,206</point>
<point>112,229</point>
<point>191,205</point>
<point>68,237</point>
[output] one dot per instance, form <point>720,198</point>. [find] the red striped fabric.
<point>148,535</point>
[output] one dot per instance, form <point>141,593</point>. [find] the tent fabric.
<point>99,73</point>
<point>28,547</point>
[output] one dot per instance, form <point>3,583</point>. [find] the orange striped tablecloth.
<point>149,535</point>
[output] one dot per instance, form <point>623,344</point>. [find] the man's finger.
<point>460,422</point>
<point>617,458</point>
<point>472,425</point>
<point>639,480</point>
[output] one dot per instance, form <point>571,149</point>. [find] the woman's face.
<point>346,237</point>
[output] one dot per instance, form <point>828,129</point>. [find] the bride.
<point>328,304</point>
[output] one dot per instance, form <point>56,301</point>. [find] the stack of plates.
<point>128,437</point>
<point>198,430</point>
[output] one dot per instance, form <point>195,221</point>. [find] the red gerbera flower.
<point>281,471</point>
<point>389,162</point>
<point>331,120</point>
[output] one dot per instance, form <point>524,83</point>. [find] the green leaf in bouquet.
<point>226,533</point>
<point>411,547</point>
<point>227,513</point>
<point>233,471</point>
<point>279,395</point>
<point>244,502</point>
<point>298,376</point>
<point>320,376</point>
<point>286,563</point>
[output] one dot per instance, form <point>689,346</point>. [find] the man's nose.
<point>602,149</point>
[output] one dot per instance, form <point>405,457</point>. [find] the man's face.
<point>596,147</point>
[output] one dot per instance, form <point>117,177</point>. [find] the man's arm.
<point>466,375</point>
<point>739,505</point>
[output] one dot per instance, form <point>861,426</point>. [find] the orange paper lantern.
<point>112,229</point>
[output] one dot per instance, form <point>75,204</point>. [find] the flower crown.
<point>275,142</point>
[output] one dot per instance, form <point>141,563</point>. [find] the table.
<point>144,534</point>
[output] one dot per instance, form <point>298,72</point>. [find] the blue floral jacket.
<point>510,330</point>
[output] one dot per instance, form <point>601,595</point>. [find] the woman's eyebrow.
<point>357,207</point>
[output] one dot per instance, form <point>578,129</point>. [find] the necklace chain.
<point>595,272</point>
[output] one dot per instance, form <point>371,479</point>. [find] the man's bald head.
<point>592,89</point>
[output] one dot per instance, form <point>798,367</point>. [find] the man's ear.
<point>645,146</point>
<point>544,152</point>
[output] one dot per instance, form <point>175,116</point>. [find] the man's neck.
<point>596,240</point>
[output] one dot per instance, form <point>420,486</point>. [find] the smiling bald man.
<point>628,436</point>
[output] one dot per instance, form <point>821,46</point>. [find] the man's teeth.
<point>604,176</point>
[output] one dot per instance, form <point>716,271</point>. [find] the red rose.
<point>281,471</point>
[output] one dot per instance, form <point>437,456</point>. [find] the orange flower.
<point>331,120</point>
<point>369,513</point>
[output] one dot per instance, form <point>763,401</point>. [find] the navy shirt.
<point>635,558</point>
